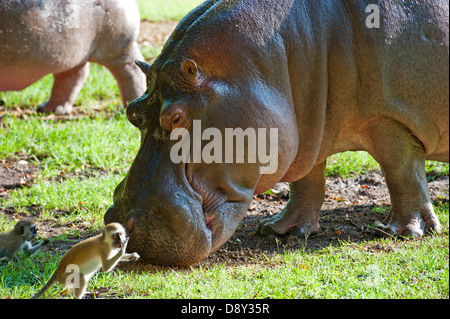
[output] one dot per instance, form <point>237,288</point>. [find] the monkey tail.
<point>52,281</point>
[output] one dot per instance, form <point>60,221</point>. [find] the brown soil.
<point>347,215</point>
<point>155,34</point>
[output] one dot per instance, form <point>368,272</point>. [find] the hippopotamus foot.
<point>414,225</point>
<point>402,159</point>
<point>65,89</point>
<point>295,222</point>
<point>60,109</point>
<point>301,215</point>
<point>130,79</point>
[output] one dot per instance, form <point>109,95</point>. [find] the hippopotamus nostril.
<point>131,219</point>
<point>129,225</point>
<point>173,117</point>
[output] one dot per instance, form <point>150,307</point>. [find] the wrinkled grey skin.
<point>313,70</point>
<point>38,37</point>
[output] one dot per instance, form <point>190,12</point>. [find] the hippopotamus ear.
<point>145,67</point>
<point>190,72</point>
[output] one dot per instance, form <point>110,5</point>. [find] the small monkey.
<point>18,239</point>
<point>85,258</point>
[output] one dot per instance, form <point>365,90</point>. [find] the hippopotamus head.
<point>179,211</point>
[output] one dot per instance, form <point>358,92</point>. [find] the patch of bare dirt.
<point>77,113</point>
<point>15,173</point>
<point>155,34</point>
<point>347,214</point>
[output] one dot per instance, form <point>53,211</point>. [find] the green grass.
<point>81,161</point>
<point>159,10</point>
<point>104,142</point>
<point>347,271</point>
<point>411,269</point>
<point>347,164</point>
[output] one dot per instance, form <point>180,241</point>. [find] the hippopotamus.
<point>62,37</point>
<point>329,76</point>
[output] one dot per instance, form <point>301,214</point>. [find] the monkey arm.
<point>129,257</point>
<point>30,250</point>
<point>108,264</point>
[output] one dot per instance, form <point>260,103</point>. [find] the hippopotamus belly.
<point>323,77</point>
<point>42,37</point>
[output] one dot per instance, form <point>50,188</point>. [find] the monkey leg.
<point>402,159</point>
<point>129,77</point>
<point>65,90</point>
<point>81,289</point>
<point>302,212</point>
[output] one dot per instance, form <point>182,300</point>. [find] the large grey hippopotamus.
<point>61,37</point>
<point>330,76</point>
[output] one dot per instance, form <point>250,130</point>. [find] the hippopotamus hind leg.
<point>402,159</point>
<point>129,77</point>
<point>65,90</point>
<point>301,214</point>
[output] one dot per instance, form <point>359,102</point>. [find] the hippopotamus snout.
<point>193,242</point>
<point>172,231</point>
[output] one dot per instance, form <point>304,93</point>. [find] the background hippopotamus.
<point>319,72</point>
<point>61,37</point>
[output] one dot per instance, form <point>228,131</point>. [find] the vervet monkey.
<point>18,239</point>
<point>85,258</point>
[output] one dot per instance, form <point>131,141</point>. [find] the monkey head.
<point>26,229</point>
<point>115,234</point>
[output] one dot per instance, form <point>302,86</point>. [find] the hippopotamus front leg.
<point>301,214</point>
<point>402,159</point>
<point>65,89</point>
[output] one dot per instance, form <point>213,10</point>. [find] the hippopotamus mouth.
<point>215,208</point>
<point>212,217</point>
